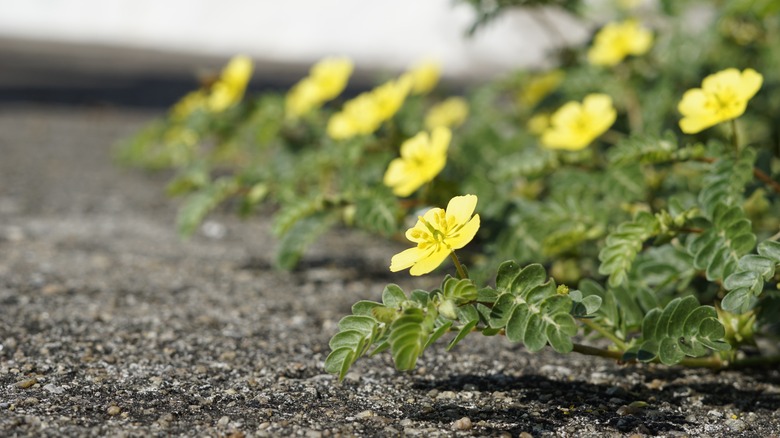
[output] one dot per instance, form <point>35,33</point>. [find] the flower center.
<point>439,230</point>
<point>723,102</point>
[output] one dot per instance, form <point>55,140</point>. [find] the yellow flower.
<point>331,76</point>
<point>390,96</point>
<point>326,80</point>
<point>539,86</point>
<point>366,112</point>
<point>574,126</point>
<point>538,123</point>
<point>422,158</point>
<point>359,116</point>
<point>191,102</point>
<point>437,234</point>
<point>424,77</point>
<point>723,96</point>
<point>449,113</point>
<point>615,41</point>
<point>230,87</point>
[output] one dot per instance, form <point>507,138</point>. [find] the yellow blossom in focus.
<point>422,158</point>
<point>326,80</point>
<point>575,125</point>
<point>615,41</point>
<point>449,113</point>
<point>539,86</point>
<point>538,123</point>
<point>723,96</point>
<point>229,88</point>
<point>437,234</point>
<point>424,77</point>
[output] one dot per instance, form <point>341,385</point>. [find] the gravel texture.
<point>110,325</point>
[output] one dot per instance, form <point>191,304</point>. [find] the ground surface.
<point>110,325</point>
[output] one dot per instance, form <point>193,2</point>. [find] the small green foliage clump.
<point>633,187</point>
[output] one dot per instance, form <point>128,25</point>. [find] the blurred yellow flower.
<point>230,87</point>
<point>539,86</point>
<point>437,234</point>
<point>575,125</point>
<point>191,102</point>
<point>326,80</point>
<point>538,123</point>
<point>366,112</point>
<point>723,96</point>
<point>424,76</point>
<point>359,116</point>
<point>449,113</point>
<point>615,41</point>
<point>422,158</point>
<point>390,96</point>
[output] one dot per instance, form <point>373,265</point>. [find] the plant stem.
<point>763,177</point>
<point>713,362</point>
<point>593,351</point>
<point>735,137</point>
<point>461,272</point>
<point>604,332</point>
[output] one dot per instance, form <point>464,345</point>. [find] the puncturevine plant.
<point>632,188</point>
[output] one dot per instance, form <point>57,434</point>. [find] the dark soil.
<point>110,325</point>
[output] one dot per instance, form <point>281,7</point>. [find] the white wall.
<point>376,33</point>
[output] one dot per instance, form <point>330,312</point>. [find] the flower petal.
<point>440,141</point>
<point>465,234</point>
<point>430,262</point>
<point>462,207</point>
<point>749,84</point>
<point>693,125</point>
<point>406,258</point>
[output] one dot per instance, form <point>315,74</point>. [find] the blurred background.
<point>149,53</point>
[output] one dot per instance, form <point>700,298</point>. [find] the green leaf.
<point>301,235</point>
<point>459,291</point>
<point>355,336</point>
<point>743,279</point>
<point>763,266</point>
<point>438,333</point>
<point>670,352</point>
<point>393,296</point>
<point>738,300</point>
<point>528,278</point>
<point>378,213</point>
<point>623,245</point>
<point>346,339</point>
<point>748,279</point>
<point>584,306</point>
<point>502,310</point>
<point>535,336</point>
<point>462,333</point>
<point>507,272</point>
<point>293,213</point>
<point>720,247</point>
<point>364,307</point>
<point>362,324</point>
<point>408,336</point>
<point>770,249</point>
<point>517,323</point>
<point>648,351</point>
<point>682,328</point>
<point>200,203</point>
<point>560,328</point>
